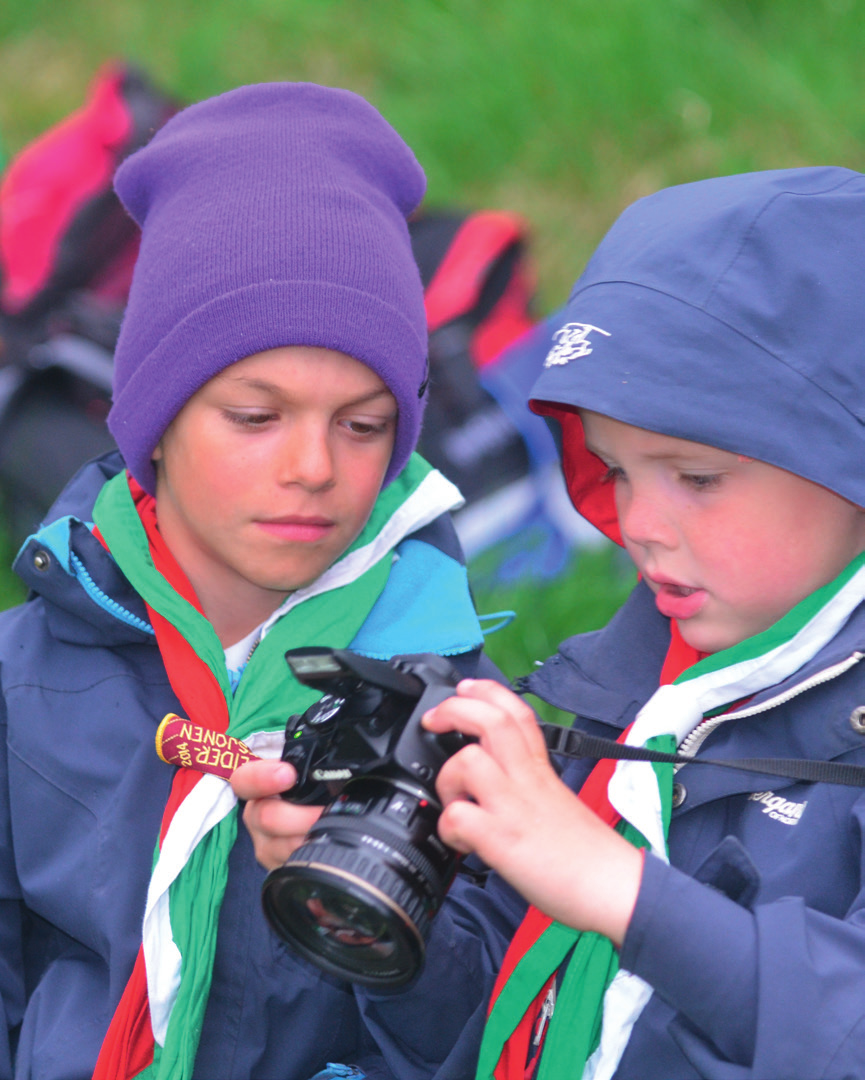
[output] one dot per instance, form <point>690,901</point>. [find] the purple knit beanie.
<point>271,215</point>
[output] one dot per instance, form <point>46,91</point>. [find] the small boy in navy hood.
<point>707,374</point>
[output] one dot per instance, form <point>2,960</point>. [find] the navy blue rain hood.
<point>729,312</point>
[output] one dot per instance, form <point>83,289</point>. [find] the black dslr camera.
<point>357,898</point>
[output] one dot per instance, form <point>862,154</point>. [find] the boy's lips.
<point>297,528</point>
<point>678,601</point>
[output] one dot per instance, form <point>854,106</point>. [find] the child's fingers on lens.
<point>272,854</point>
<point>259,779</point>
<point>274,823</point>
<point>278,818</point>
<point>463,826</point>
<point>277,828</point>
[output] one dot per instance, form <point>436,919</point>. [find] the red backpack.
<point>67,249</point>
<point>62,228</point>
<point>486,350</point>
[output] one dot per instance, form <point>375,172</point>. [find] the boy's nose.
<point>645,521</point>
<point>307,457</point>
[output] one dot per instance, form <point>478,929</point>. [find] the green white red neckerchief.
<point>598,1004</point>
<point>155,1031</point>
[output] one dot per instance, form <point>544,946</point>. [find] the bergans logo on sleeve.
<point>778,808</point>
<point>571,342</point>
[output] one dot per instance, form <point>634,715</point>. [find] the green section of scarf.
<point>266,696</point>
<point>575,1026</point>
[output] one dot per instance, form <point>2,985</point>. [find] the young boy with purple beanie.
<point>269,386</point>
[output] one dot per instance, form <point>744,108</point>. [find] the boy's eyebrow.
<point>266,387</point>
<point>701,451</point>
<point>659,455</point>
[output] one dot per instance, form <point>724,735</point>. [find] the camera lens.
<point>358,896</point>
<point>348,931</point>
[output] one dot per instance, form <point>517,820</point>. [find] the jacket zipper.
<point>100,597</point>
<point>692,743</point>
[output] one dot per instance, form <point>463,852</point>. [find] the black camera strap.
<point>569,742</point>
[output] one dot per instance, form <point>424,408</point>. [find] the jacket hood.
<point>91,602</point>
<point>727,312</point>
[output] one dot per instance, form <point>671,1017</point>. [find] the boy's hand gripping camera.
<point>357,898</point>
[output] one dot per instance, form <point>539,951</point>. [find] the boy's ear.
<point>157,453</point>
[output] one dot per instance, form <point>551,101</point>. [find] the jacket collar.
<point>607,675</point>
<point>92,603</point>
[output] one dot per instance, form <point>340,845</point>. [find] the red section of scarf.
<point>128,1045</point>
<point>512,1064</point>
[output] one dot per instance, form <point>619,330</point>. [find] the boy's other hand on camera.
<point>504,801</point>
<point>277,827</point>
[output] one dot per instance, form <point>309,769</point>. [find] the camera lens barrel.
<point>358,897</point>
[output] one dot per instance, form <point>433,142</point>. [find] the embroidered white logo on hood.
<point>571,342</point>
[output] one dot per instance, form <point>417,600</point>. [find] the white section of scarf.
<point>212,799</point>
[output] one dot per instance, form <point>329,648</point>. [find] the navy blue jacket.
<point>725,311</point>
<point>81,797</point>
<point>754,938</point>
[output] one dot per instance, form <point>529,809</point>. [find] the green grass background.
<point>564,111</point>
